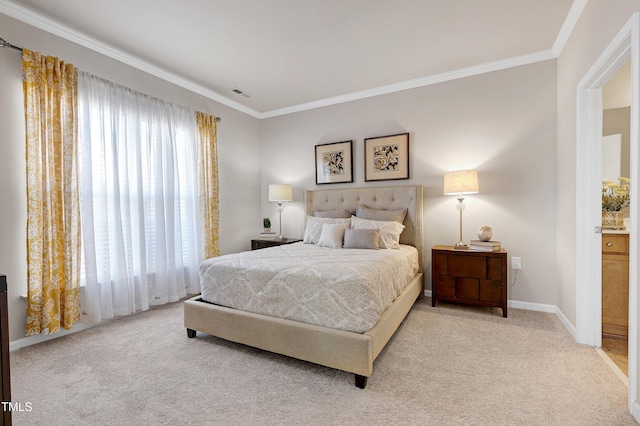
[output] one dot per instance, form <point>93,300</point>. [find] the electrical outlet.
<point>516,263</point>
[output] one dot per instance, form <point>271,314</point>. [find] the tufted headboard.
<point>390,197</point>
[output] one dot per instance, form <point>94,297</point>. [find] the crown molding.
<point>418,82</point>
<point>577,7</point>
<point>36,20</point>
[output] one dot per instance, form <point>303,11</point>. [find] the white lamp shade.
<point>280,192</point>
<point>461,182</point>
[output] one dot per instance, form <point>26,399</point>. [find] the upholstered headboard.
<point>390,197</point>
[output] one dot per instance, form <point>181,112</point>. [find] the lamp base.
<point>460,246</point>
<point>280,238</point>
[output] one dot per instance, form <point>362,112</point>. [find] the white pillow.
<point>313,229</point>
<point>332,235</point>
<point>389,230</point>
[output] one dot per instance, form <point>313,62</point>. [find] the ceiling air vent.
<point>240,92</point>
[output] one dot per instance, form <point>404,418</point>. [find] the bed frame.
<point>342,350</point>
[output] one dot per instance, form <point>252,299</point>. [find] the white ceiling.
<point>297,54</point>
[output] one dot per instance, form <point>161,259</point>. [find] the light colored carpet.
<point>449,365</point>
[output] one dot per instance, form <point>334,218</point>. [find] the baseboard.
<point>552,309</point>
<point>567,324</point>
<point>538,307</point>
<point>635,411</point>
<point>32,340</point>
<point>528,306</point>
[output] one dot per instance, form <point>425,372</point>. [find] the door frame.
<point>624,47</point>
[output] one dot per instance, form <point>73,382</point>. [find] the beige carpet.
<point>449,365</point>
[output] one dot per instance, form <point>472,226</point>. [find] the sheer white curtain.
<point>139,200</point>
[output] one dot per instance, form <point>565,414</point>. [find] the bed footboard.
<point>338,349</point>
<point>342,350</point>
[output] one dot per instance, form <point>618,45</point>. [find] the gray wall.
<point>238,150</point>
<point>599,23</point>
<point>618,120</point>
<point>502,123</point>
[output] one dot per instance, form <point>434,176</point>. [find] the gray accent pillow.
<point>390,230</point>
<point>333,213</point>
<point>377,214</point>
<point>361,239</point>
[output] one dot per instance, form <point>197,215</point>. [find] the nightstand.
<point>470,277</point>
<point>260,244</point>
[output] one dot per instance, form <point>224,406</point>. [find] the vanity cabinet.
<point>615,285</point>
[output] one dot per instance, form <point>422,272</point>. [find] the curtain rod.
<point>3,43</point>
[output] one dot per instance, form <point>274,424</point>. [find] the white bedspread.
<point>346,289</point>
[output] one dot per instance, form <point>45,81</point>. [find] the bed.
<point>353,352</point>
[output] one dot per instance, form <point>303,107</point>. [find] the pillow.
<point>389,230</point>
<point>334,213</point>
<point>313,229</point>
<point>362,239</point>
<point>332,235</point>
<point>376,214</point>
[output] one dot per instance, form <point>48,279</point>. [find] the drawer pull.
<point>609,244</point>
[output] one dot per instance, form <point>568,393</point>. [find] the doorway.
<point>625,47</point>
<point>616,127</point>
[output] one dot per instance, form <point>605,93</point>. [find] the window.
<point>139,199</point>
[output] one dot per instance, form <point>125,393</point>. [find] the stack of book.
<point>484,245</point>
<point>267,235</point>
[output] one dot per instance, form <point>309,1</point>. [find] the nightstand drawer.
<point>446,286</point>
<point>467,266</point>
<point>490,291</point>
<point>467,288</point>
<point>494,268</point>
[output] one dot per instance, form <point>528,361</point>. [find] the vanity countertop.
<point>615,231</point>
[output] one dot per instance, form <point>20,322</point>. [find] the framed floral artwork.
<point>386,157</point>
<point>334,162</point>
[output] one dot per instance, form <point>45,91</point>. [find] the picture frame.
<point>386,157</point>
<point>334,162</point>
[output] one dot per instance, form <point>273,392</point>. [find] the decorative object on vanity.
<point>266,224</point>
<point>386,157</point>
<point>615,199</point>
<point>461,182</point>
<point>280,193</point>
<point>334,162</point>
<point>484,245</point>
<point>485,233</point>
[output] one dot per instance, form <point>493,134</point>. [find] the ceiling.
<point>293,55</point>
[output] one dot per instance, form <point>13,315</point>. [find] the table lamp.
<point>461,182</point>
<point>280,193</point>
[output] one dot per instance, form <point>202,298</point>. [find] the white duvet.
<point>346,289</point>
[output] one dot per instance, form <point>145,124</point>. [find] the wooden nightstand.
<point>471,277</point>
<point>260,244</point>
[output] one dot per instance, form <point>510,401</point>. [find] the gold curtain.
<point>53,221</point>
<point>208,184</point>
